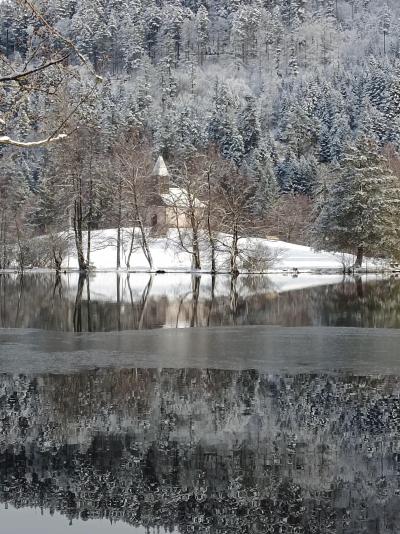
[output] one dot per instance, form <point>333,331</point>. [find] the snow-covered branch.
<point>5,140</point>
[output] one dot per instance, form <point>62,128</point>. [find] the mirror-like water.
<point>242,429</point>
<point>201,450</point>
<point>107,301</point>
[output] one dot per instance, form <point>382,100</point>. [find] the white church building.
<point>168,206</point>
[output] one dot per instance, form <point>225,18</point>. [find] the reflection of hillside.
<point>206,451</point>
<point>138,302</point>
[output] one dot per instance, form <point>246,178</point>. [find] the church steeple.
<point>160,169</point>
<point>161,176</point>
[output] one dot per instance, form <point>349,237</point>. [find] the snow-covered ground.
<point>169,256</point>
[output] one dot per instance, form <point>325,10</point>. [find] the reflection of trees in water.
<point>78,302</point>
<point>53,302</point>
<point>373,305</point>
<point>205,450</point>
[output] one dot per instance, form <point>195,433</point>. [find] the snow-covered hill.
<point>169,256</point>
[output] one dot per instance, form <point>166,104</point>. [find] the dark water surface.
<point>241,429</point>
<point>200,450</point>
<point>107,301</point>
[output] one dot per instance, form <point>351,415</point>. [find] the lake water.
<point>279,413</point>
<point>107,302</point>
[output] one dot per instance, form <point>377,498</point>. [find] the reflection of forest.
<point>44,301</point>
<point>205,450</point>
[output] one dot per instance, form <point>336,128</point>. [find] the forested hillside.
<point>287,95</point>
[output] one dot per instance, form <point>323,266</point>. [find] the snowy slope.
<point>168,256</point>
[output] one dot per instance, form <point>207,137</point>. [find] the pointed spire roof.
<point>160,169</point>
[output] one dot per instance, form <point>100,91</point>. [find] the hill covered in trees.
<point>281,92</point>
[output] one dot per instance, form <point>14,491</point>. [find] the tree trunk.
<point>20,294</point>
<point>78,230</point>
<point>195,244</point>
<point>234,252</point>
<point>57,261</point>
<point>89,311</point>
<point>145,245</point>
<point>195,300</point>
<point>79,238</point>
<point>118,302</point>
<point>78,304</point>
<point>128,259</point>
<point>3,262</point>
<point>144,301</point>
<point>138,219</point>
<point>359,287</point>
<point>211,300</point>
<point>359,258</point>
<point>234,298</point>
<point>210,234</point>
<point>119,222</point>
<point>58,285</point>
<point>21,259</point>
<point>90,217</point>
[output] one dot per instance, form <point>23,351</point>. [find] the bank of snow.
<point>168,255</point>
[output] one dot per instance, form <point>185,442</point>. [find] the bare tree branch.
<point>53,31</point>
<point>16,77</point>
<point>4,140</point>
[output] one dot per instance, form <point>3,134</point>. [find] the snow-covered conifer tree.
<point>361,210</point>
<point>249,124</point>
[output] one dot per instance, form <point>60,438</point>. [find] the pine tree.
<point>232,147</point>
<point>362,208</point>
<point>339,137</point>
<point>286,171</point>
<point>385,23</point>
<point>371,122</point>
<point>249,124</point>
<point>277,32</point>
<point>244,31</point>
<point>324,140</point>
<point>223,129</point>
<point>292,64</point>
<point>202,28</point>
<point>377,83</point>
<point>391,108</point>
<point>173,17</point>
<point>152,22</point>
<point>299,8</point>
<point>260,167</point>
<point>90,25</point>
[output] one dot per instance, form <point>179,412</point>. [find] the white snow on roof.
<point>160,169</point>
<point>179,198</point>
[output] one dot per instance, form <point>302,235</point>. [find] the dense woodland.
<point>281,115</point>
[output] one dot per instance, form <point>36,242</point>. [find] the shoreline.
<point>292,272</point>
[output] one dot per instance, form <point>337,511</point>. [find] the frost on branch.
<point>5,140</point>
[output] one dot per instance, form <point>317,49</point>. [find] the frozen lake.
<point>279,412</point>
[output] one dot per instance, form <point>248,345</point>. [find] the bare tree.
<point>132,170</point>
<point>234,195</point>
<point>78,173</point>
<point>290,218</point>
<point>15,228</point>
<point>189,212</point>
